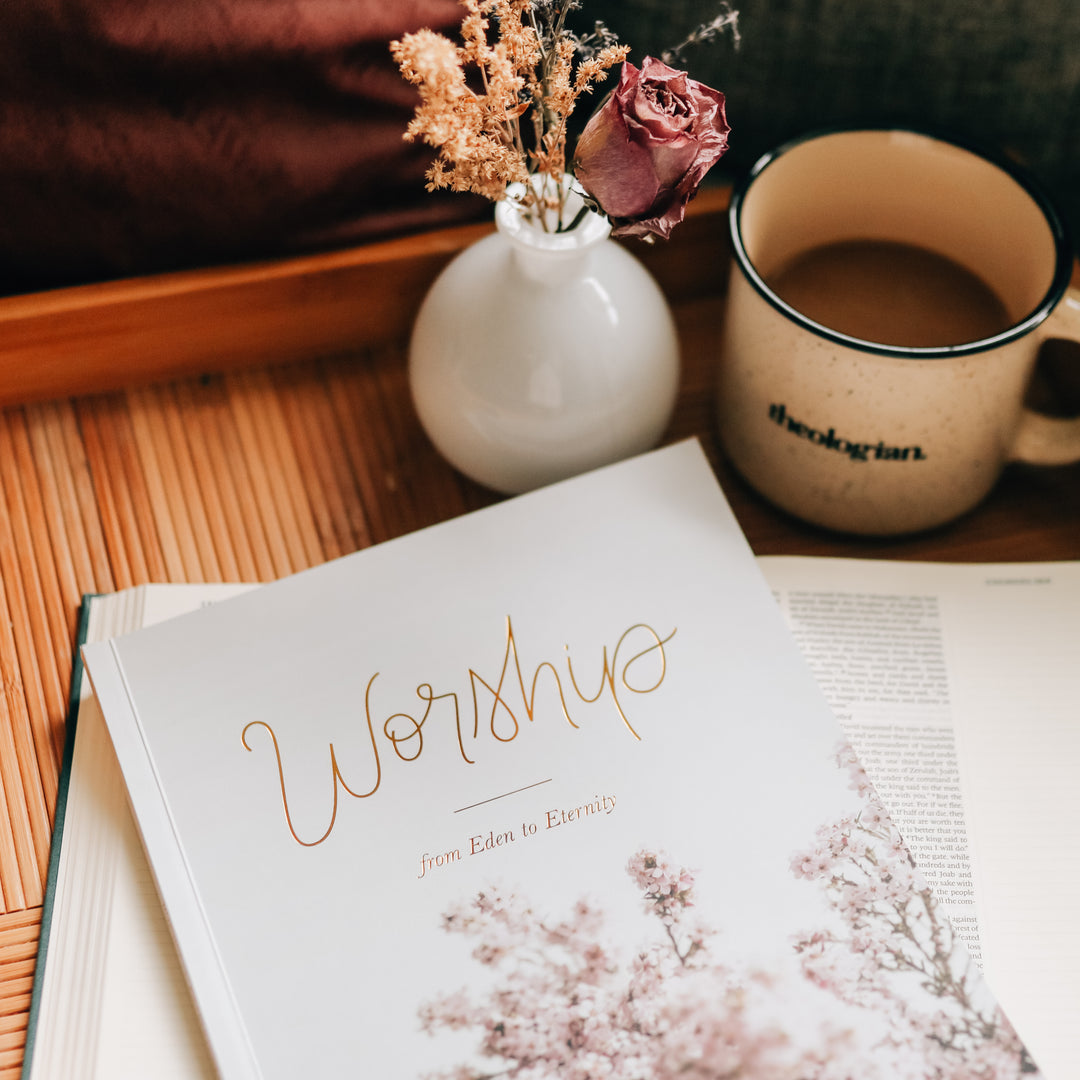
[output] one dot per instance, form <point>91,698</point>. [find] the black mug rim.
<point>1021,176</point>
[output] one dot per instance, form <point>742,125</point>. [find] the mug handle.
<point>1052,440</point>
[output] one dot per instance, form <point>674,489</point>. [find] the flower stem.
<point>578,218</point>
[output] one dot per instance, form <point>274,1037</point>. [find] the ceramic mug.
<point>887,229</point>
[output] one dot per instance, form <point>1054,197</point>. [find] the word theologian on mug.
<point>888,298</point>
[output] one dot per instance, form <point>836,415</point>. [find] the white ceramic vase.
<point>538,355</point>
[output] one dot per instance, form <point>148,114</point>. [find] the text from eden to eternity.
<point>481,843</point>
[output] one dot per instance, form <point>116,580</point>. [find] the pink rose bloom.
<point>645,151</point>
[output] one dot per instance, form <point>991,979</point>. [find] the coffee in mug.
<point>889,294</point>
<point>898,294</point>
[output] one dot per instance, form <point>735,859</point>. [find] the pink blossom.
<point>562,1003</point>
<point>860,782</point>
<point>562,1006</point>
<point>894,937</point>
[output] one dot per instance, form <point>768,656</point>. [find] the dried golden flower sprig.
<point>529,68</point>
<point>496,107</point>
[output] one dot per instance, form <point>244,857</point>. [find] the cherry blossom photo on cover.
<point>879,987</point>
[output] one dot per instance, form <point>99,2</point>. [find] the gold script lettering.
<point>336,779</point>
<point>405,732</point>
<point>528,699</point>
<point>607,676</point>
<point>416,727</point>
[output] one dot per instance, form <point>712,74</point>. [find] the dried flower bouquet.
<point>497,106</point>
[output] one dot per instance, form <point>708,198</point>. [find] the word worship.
<point>636,665</point>
<point>481,843</point>
<point>857,451</point>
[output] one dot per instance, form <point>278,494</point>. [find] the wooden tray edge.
<point>93,338</point>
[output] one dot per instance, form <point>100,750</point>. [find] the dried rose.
<point>645,151</point>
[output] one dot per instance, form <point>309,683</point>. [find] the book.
<point>126,1011</point>
<point>958,687</point>
<point>545,789</point>
<point>109,999</point>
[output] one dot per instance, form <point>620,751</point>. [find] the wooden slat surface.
<point>266,468</point>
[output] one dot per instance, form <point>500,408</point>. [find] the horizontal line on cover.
<point>505,795</point>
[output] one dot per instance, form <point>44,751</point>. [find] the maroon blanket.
<point>142,135</point>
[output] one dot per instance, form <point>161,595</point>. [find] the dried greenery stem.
<point>516,57</point>
<point>726,21</point>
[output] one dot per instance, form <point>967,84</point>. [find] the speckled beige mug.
<point>873,438</point>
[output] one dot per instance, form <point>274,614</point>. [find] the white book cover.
<point>546,790</point>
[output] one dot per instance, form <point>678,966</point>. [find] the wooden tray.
<point>246,422</point>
